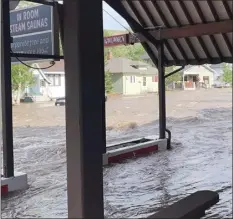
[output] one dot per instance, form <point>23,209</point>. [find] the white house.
<point>49,82</point>
<point>198,76</point>
<point>132,77</point>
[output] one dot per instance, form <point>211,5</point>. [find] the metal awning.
<point>196,31</point>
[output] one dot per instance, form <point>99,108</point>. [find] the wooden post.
<point>85,107</point>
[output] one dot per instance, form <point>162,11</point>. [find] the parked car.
<point>62,101</point>
<point>221,85</point>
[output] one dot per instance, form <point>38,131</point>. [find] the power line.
<point>117,21</point>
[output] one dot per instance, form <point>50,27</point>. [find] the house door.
<point>144,85</point>
<point>189,83</point>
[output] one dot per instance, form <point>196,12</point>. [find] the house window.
<point>155,78</point>
<point>55,79</point>
<point>132,79</point>
<point>144,81</point>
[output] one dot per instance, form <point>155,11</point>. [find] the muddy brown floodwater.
<point>201,158</point>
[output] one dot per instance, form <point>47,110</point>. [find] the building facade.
<point>49,83</point>
<point>198,76</point>
<point>132,77</point>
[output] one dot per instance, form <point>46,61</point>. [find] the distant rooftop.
<point>124,65</point>
<point>207,38</point>
<point>58,67</point>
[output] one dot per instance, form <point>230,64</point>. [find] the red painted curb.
<point>4,189</point>
<point>135,153</point>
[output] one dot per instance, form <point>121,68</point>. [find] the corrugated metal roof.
<point>149,14</point>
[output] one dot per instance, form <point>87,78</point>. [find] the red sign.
<point>116,40</point>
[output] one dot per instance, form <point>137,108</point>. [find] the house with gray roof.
<point>49,83</point>
<point>132,77</point>
<point>194,76</point>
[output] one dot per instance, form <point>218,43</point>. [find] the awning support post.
<point>85,107</point>
<point>6,93</point>
<point>162,90</point>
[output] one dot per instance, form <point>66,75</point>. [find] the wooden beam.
<point>192,30</point>
<point>85,139</point>
<point>198,30</point>
<point>172,33</point>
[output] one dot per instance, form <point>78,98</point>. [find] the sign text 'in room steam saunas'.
<point>30,20</point>
<point>32,30</point>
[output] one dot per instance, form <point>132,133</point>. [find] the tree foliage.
<point>108,82</point>
<point>227,74</point>
<point>108,78</point>
<point>21,77</point>
<point>133,52</point>
<point>173,78</point>
<point>26,4</point>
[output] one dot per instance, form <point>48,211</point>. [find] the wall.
<point>117,82</point>
<point>53,91</point>
<point>131,88</point>
<point>150,85</point>
<point>137,87</point>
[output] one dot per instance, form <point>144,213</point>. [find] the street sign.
<point>122,39</point>
<point>34,32</point>
<point>116,40</point>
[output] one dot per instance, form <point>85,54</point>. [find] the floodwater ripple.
<point>201,158</point>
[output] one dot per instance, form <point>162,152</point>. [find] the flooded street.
<point>201,158</point>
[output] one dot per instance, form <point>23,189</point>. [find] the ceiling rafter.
<point>156,24</point>
<point>178,23</point>
<point>180,52</point>
<point>176,41</point>
<point>216,17</point>
<point>190,20</point>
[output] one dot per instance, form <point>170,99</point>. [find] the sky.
<point>109,22</point>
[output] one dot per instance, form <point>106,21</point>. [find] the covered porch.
<point>190,81</point>
<point>85,111</point>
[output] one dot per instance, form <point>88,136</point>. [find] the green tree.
<point>108,78</point>
<point>227,74</point>
<point>173,78</point>
<point>108,82</point>
<point>21,78</point>
<point>26,4</point>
